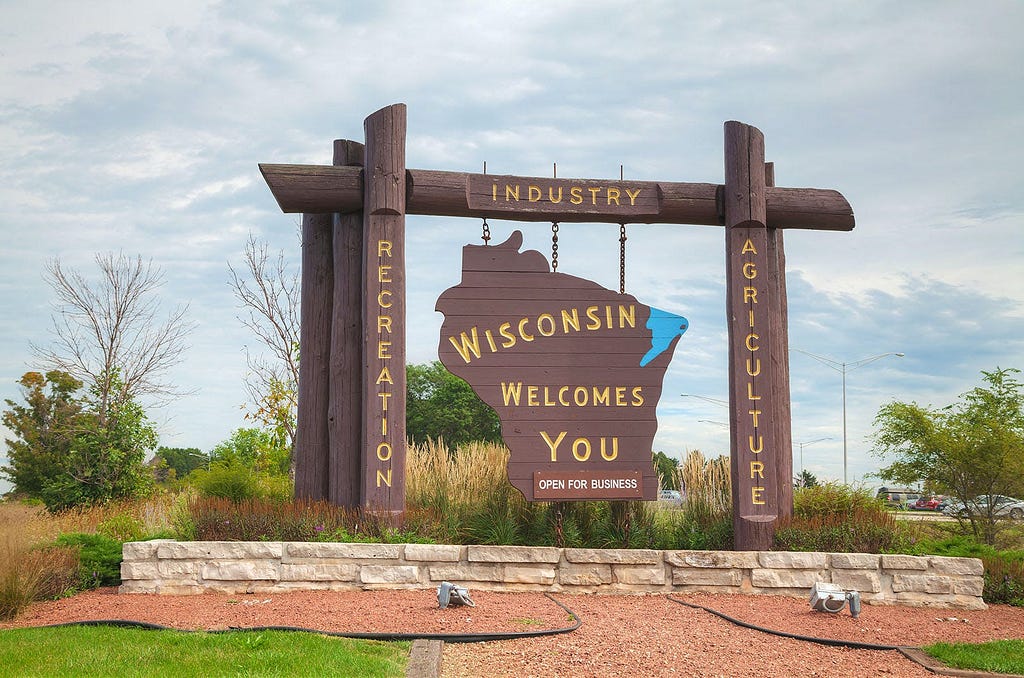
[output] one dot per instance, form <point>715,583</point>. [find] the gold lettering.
<point>760,444</point>
<point>749,270</point>
<point>608,316</point>
<point>511,391</point>
<point>553,446</point>
<point>756,467</point>
<point>382,478</point>
<point>749,295</point>
<point>383,323</point>
<point>595,323</point>
<point>522,332</point>
<point>505,330</point>
<point>627,314</point>
<point>384,273</point>
<point>602,397</point>
<point>755,495</point>
<point>561,396</point>
<point>551,195</point>
<point>383,425</point>
<point>470,344</point>
<point>548,402</point>
<point>638,396</point>
<point>511,193</point>
<point>382,350</point>
<point>750,342</point>
<point>757,371</point>
<point>580,391</point>
<point>384,395</point>
<point>632,195</point>
<point>615,450</point>
<point>383,247</point>
<point>753,414</point>
<point>384,377</point>
<point>576,445</point>
<point>570,320</point>
<point>494,192</point>
<point>384,451</point>
<point>620,396</point>
<point>613,195</point>
<point>748,247</point>
<point>490,341</point>
<point>750,391</point>
<point>593,194</point>
<point>380,299</point>
<point>751,317</point>
<point>576,195</point>
<point>551,324</point>
<point>533,193</point>
<point>531,396</point>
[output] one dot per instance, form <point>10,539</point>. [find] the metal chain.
<point>486,237</point>
<point>554,247</point>
<point>622,258</point>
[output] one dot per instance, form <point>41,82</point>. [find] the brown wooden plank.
<point>383,463</point>
<point>345,414</point>
<point>752,443</point>
<point>314,188</point>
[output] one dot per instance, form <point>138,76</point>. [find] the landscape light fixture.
<point>832,598</point>
<point>844,368</point>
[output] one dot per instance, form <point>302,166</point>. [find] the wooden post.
<point>345,412</point>
<point>383,465</point>
<point>779,314</point>
<point>748,306</point>
<point>311,439</point>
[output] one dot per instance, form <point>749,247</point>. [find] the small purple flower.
<point>319,528</point>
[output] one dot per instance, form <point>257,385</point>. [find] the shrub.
<point>1004,580</point>
<point>227,480</point>
<point>99,558</point>
<point>838,518</point>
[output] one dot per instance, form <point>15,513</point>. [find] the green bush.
<point>227,480</point>
<point>99,558</point>
<point>838,518</point>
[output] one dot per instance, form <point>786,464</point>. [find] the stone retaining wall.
<point>171,567</point>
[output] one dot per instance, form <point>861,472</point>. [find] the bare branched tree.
<point>269,295</point>
<point>108,334</point>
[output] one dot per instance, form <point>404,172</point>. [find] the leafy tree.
<point>968,449</point>
<point>45,428</point>
<point>73,451</point>
<point>255,449</point>
<point>805,479</point>
<point>182,460</point>
<point>441,405</point>
<point>666,467</point>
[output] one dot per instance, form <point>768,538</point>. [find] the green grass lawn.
<point>108,651</point>
<point>998,656</point>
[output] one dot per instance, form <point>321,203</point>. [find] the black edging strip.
<point>446,637</point>
<point>852,644</point>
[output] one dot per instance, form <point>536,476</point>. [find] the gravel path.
<point>620,635</point>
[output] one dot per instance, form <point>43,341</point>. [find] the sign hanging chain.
<point>486,237</point>
<point>622,250</point>
<point>554,230</point>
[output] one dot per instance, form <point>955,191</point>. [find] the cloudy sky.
<point>137,127</point>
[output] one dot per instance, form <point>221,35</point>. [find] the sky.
<point>138,127</point>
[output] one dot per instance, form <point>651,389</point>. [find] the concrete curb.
<point>425,659</point>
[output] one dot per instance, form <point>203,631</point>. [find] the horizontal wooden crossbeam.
<point>326,188</point>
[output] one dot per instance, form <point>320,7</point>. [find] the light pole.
<point>843,367</point>
<point>806,444</point>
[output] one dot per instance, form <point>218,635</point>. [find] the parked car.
<point>673,497</point>
<point>1002,507</point>
<point>898,497</point>
<point>927,503</point>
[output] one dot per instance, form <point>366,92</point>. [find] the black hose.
<point>851,644</point>
<point>446,637</point>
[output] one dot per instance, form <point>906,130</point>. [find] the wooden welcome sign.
<point>573,370</point>
<point>557,357</point>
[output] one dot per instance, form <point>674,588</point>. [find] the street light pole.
<point>808,443</point>
<point>842,368</point>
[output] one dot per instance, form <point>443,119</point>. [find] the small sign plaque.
<point>602,485</point>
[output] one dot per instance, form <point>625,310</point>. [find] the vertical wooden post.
<point>345,412</point>
<point>748,307</point>
<point>317,282</point>
<point>383,466</point>
<point>779,315</point>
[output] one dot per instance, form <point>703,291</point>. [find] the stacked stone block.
<point>170,567</point>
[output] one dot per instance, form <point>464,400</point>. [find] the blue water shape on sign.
<point>664,327</point>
